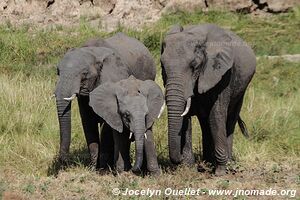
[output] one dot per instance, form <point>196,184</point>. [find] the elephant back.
<point>135,55</point>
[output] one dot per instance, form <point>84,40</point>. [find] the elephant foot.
<point>137,171</point>
<point>189,162</point>
<point>93,148</point>
<point>209,159</point>
<point>119,168</point>
<point>93,164</point>
<point>155,173</point>
<point>153,169</point>
<point>103,172</point>
<point>127,167</point>
<point>220,170</point>
<point>101,166</point>
<point>63,159</point>
<point>188,159</point>
<point>142,172</point>
<point>204,167</point>
<point>105,161</point>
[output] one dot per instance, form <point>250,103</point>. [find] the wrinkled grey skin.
<point>213,67</point>
<point>81,70</point>
<point>130,105</point>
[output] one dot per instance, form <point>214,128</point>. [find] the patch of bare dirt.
<point>108,14</point>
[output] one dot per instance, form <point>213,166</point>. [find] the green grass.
<point>29,136</point>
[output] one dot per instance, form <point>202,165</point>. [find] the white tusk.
<point>145,136</point>
<point>130,135</point>
<point>161,110</point>
<point>52,96</point>
<point>70,98</point>
<point>187,108</point>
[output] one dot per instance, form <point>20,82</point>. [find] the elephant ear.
<point>103,100</point>
<point>93,75</point>
<point>219,59</point>
<point>163,70</point>
<point>155,100</point>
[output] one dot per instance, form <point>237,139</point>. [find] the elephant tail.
<point>243,127</point>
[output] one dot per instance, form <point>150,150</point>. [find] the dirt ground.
<point>110,14</point>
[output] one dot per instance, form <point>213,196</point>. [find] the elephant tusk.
<point>52,96</point>
<point>145,136</point>
<point>187,108</point>
<point>161,110</point>
<point>130,135</point>
<point>70,98</point>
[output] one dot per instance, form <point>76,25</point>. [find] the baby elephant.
<point>130,107</point>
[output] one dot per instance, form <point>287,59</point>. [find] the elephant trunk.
<point>139,134</point>
<point>66,91</point>
<point>175,103</point>
<point>64,118</point>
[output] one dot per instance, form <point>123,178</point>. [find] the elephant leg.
<point>186,141</point>
<point>144,164</point>
<point>229,146</point>
<point>106,152</point>
<point>217,122</point>
<point>151,156</point>
<point>233,114</point>
<point>121,151</point>
<point>207,141</point>
<point>89,121</point>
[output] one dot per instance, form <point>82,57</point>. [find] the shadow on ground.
<point>78,157</point>
<point>81,157</point>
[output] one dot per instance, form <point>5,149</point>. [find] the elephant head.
<point>79,73</point>
<point>132,104</point>
<point>192,60</point>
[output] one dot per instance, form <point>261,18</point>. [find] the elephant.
<point>80,71</point>
<point>130,107</point>
<point>206,71</point>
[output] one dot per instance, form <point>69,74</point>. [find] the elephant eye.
<point>85,73</point>
<point>126,114</point>
<point>194,64</point>
<point>126,117</point>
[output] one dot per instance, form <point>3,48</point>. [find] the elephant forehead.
<point>175,46</point>
<point>136,102</point>
<point>75,60</point>
<point>178,48</point>
<point>178,39</point>
<point>131,86</point>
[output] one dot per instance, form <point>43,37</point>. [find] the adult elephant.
<point>130,107</point>
<point>206,71</point>
<point>83,69</point>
